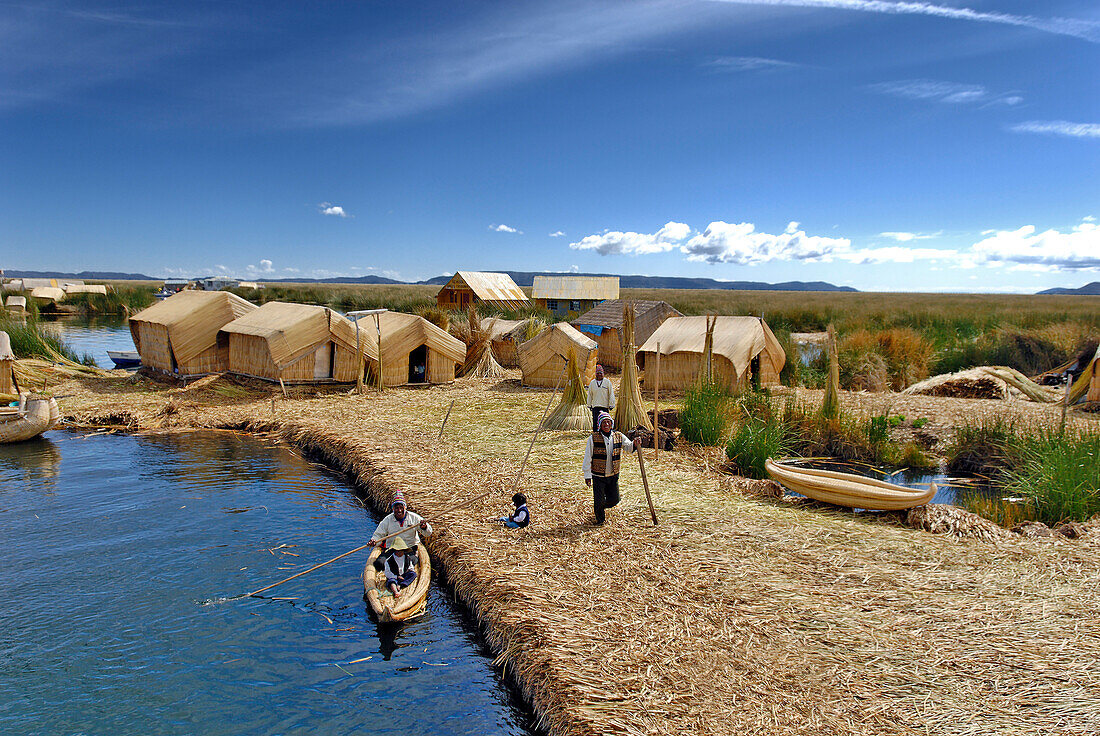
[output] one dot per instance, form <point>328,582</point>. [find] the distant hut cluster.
<point>604,323</point>
<point>743,348</point>
<point>195,333</point>
<point>481,287</point>
<point>543,357</point>
<point>573,295</point>
<point>47,292</point>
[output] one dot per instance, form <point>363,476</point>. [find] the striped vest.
<point>599,453</point>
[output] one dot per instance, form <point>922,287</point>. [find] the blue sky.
<point>904,146</point>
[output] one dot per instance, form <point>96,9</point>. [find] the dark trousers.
<point>595,413</point>
<point>405,580</point>
<point>605,495</point>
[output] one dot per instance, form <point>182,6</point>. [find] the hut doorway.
<point>324,361</point>
<point>418,364</point>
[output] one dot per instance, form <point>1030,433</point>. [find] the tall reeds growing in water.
<point>572,411</point>
<point>628,410</point>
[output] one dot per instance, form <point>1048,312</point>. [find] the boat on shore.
<point>31,418</point>
<point>413,599</point>
<point>125,358</point>
<point>847,489</point>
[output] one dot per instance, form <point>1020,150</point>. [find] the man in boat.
<point>400,518</point>
<point>601,397</point>
<point>400,567</point>
<point>601,464</point>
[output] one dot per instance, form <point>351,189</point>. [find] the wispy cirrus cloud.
<point>904,237</point>
<point>1087,30</point>
<point>747,64</point>
<point>948,93</point>
<point>1058,127</point>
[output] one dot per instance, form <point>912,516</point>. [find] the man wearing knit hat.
<point>601,464</point>
<point>401,518</point>
<point>601,397</point>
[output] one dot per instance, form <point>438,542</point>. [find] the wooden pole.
<point>645,484</point>
<point>381,378</point>
<point>656,411</point>
<point>281,384</point>
<point>538,429</point>
<point>359,365</point>
<point>452,406</point>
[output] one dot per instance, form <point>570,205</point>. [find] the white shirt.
<point>390,524</point>
<point>609,447</point>
<point>600,393</point>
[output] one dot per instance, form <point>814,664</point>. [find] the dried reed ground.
<point>733,616</point>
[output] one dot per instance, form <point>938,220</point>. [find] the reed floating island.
<point>846,489</point>
<point>413,599</point>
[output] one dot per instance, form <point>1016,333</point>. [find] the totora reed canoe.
<point>846,489</point>
<point>32,418</point>
<point>413,598</point>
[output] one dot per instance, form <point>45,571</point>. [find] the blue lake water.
<point>112,544</point>
<point>93,335</point>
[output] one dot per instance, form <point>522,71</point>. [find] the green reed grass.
<point>986,446</point>
<point>31,339</point>
<point>706,413</point>
<point>1059,473</point>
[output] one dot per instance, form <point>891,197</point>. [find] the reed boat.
<point>33,417</point>
<point>413,598</point>
<point>846,489</point>
<point>125,358</point>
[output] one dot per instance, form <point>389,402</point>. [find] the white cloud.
<point>948,93</point>
<point>1086,29</point>
<point>1058,127</point>
<point>904,237</point>
<point>631,243</point>
<point>747,64</point>
<point>502,228</point>
<point>1077,249</point>
<point>333,210</point>
<point>574,268</point>
<point>1088,218</point>
<point>724,242</point>
<point>557,234</point>
<point>896,254</point>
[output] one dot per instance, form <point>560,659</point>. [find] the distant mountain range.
<point>95,275</point>
<point>526,278</point>
<point>522,278</point>
<point>1092,289</point>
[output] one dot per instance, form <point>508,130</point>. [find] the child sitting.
<point>519,518</point>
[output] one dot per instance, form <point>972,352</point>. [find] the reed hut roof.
<point>293,330</point>
<point>608,314</point>
<point>489,287</point>
<point>12,285</point>
<point>16,301</point>
<point>500,328</point>
<point>575,287</point>
<point>739,339</point>
<point>405,332</point>
<point>193,319</point>
<point>5,347</point>
<point>48,292</point>
<point>83,288</point>
<point>29,284</point>
<point>557,339</point>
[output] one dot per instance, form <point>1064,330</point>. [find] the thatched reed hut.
<point>83,288</point>
<point>604,323</point>
<point>414,350</point>
<point>573,295</point>
<point>743,347</point>
<point>47,295</point>
<point>480,287</point>
<point>16,305</point>
<point>506,334</point>
<point>180,334</point>
<point>7,365</point>
<point>297,343</point>
<point>541,358</point>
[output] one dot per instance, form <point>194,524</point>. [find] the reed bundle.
<point>830,406</point>
<point>629,412</point>
<point>572,411</point>
<point>479,362</point>
<point>974,383</point>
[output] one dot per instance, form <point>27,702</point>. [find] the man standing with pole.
<point>601,397</point>
<point>602,456</point>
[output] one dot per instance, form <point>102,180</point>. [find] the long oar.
<point>645,483</point>
<point>456,507</point>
